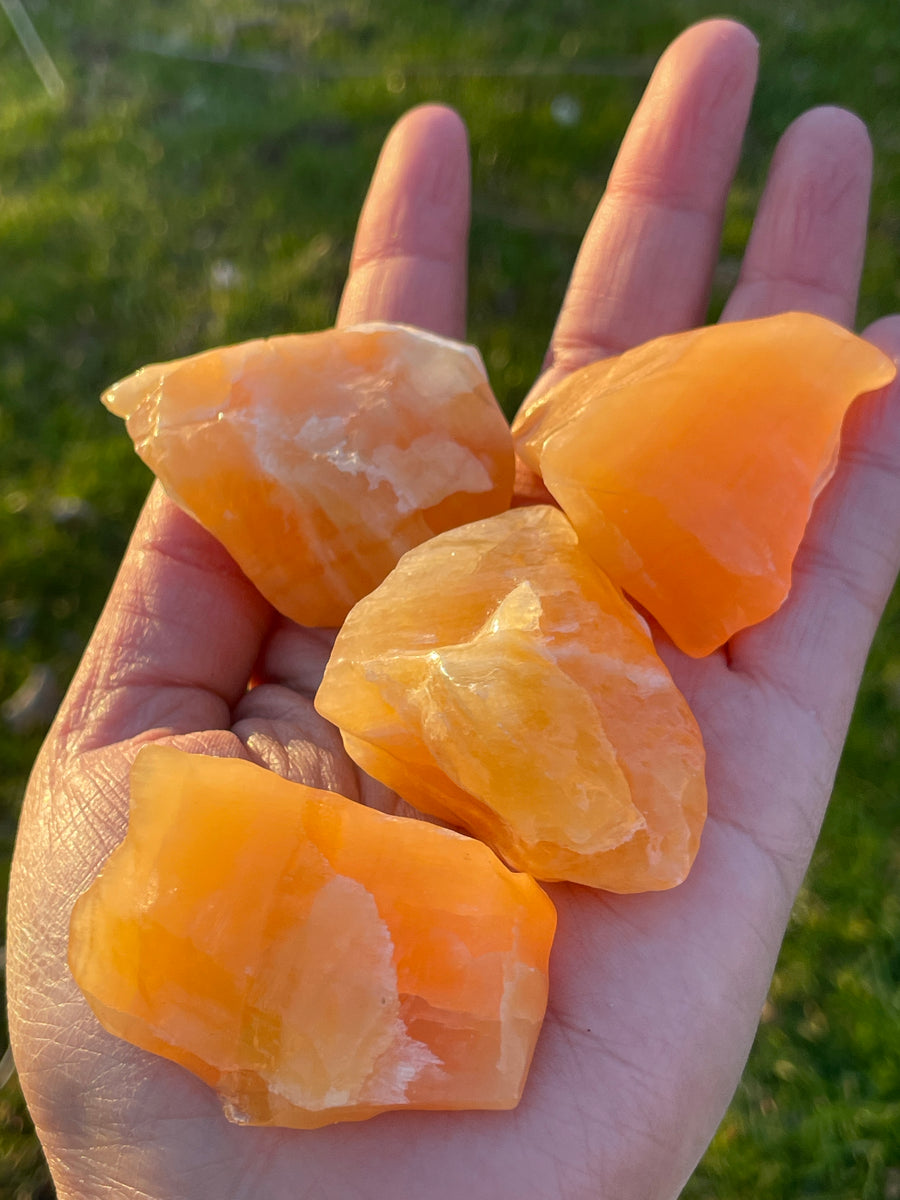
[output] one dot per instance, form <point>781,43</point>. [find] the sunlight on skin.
<point>655,998</point>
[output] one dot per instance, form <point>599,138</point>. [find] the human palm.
<point>654,998</point>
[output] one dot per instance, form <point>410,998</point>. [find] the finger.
<point>814,649</point>
<point>646,263</point>
<point>410,254</point>
<point>176,643</point>
<point>808,241</point>
<point>183,628</point>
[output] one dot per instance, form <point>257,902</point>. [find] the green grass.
<point>199,183</point>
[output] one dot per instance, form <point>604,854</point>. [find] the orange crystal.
<point>498,680</point>
<point>689,465</point>
<point>311,959</point>
<point>318,459</point>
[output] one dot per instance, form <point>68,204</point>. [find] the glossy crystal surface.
<point>499,681</point>
<point>318,459</point>
<point>689,465</point>
<point>311,959</point>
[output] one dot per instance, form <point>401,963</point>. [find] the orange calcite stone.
<point>689,465</point>
<point>498,680</point>
<point>318,459</point>
<point>311,959</point>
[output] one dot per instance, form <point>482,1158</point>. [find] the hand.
<point>654,998</point>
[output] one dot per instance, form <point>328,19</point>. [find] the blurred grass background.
<point>198,182</point>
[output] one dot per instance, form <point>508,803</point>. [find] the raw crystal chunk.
<point>318,459</point>
<point>689,465</point>
<point>498,680</point>
<point>311,959</point>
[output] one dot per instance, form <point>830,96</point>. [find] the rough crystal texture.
<point>498,680</point>
<point>689,465</point>
<point>311,959</point>
<point>318,459</point>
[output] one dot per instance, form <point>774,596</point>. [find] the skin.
<point>655,998</point>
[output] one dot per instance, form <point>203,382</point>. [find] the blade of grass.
<point>37,52</point>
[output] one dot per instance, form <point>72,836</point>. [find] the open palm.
<point>654,998</point>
